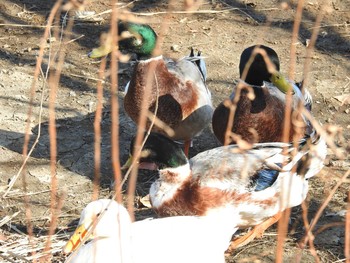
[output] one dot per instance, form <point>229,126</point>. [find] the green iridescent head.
<point>140,39</point>
<point>161,151</point>
<point>134,38</point>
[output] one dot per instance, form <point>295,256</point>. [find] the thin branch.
<point>33,26</point>
<point>97,130</point>
<point>323,206</point>
<point>347,232</point>
<point>114,102</point>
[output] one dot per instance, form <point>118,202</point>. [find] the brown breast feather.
<point>265,114</point>
<point>192,199</point>
<point>177,99</point>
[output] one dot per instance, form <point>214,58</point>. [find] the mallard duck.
<point>184,101</point>
<point>256,183</point>
<point>259,119</point>
<point>114,238</point>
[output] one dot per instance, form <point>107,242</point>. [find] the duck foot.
<point>257,231</point>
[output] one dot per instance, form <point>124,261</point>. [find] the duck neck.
<point>150,59</point>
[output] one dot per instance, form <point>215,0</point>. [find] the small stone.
<point>175,48</point>
<point>307,42</point>
<point>51,40</point>
<point>339,163</point>
<point>6,46</point>
<point>91,104</point>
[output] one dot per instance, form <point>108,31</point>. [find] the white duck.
<point>174,239</point>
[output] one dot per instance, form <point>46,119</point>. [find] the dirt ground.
<point>221,32</point>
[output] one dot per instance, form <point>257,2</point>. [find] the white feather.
<point>184,239</point>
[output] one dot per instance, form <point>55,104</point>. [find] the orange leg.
<point>187,145</point>
<point>257,231</point>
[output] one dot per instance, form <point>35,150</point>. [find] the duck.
<point>258,183</point>
<point>260,110</point>
<point>111,236</point>
<point>184,101</point>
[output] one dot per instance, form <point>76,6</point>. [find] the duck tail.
<point>307,100</point>
<point>313,161</point>
<point>307,95</point>
<point>198,60</point>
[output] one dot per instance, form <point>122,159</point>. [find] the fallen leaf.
<point>144,201</point>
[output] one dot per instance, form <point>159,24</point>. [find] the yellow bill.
<point>128,163</point>
<point>105,48</point>
<point>101,51</point>
<point>75,239</point>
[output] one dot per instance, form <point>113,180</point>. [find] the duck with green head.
<point>184,101</point>
<point>260,119</point>
<point>257,183</point>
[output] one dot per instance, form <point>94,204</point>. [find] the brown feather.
<point>193,199</point>
<point>177,98</point>
<point>264,114</point>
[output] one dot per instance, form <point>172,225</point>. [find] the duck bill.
<point>75,239</point>
<point>148,166</point>
<point>101,51</point>
<point>127,164</point>
<point>142,165</point>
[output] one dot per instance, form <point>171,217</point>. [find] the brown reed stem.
<point>150,80</point>
<point>289,95</point>
<point>97,130</point>
<point>238,90</point>
<point>295,34</point>
<point>322,207</point>
<point>53,82</point>
<point>347,232</point>
<point>115,104</point>
<point>37,71</point>
<point>53,223</point>
<point>311,46</point>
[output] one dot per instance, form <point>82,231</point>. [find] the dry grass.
<point>27,247</point>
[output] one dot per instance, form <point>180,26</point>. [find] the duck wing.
<point>228,168</point>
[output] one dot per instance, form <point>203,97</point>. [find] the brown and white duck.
<point>258,183</point>
<point>184,100</point>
